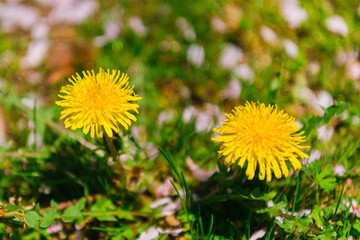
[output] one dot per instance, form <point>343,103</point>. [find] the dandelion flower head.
<point>261,135</point>
<point>97,102</point>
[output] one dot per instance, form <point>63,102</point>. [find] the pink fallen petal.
<point>198,173</point>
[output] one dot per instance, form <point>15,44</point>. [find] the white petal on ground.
<point>244,72</point>
<point>198,173</point>
<point>337,24</point>
<point>151,233</point>
<point>72,11</point>
<point>325,133</point>
<point>339,170</point>
<point>40,31</point>
<point>230,56</point>
<point>166,188</point>
<point>189,114</point>
<point>315,155</point>
<point>204,122</point>
<point>259,234</point>
<point>353,70</point>
<point>136,24</point>
<point>14,15</point>
<point>196,54</point>
<point>268,35</point>
<point>166,116</point>
<point>171,208</point>
<point>218,25</point>
<point>160,202</point>
<point>233,89</point>
<point>35,53</point>
<point>292,12</point>
<point>291,48</point>
<point>355,208</point>
<point>270,204</point>
<point>173,232</point>
<point>324,99</point>
<point>57,227</point>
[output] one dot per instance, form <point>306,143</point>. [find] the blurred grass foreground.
<point>236,119</point>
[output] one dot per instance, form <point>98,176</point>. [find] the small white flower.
<point>314,67</point>
<point>294,14</point>
<point>57,227</point>
<point>291,48</point>
<point>173,232</point>
<point>40,31</point>
<point>14,15</point>
<point>325,134</point>
<point>166,188</point>
<point>279,219</point>
<point>160,202</point>
<point>355,208</point>
<point>198,173</point>
<point>268,35</point>
<point>204,122</point>
<point>29,103</point>
<point>196,55</point>
<point>270,204</point>
<point>112,30</point>
<point>189,114</point>
<point>244,72</point>
<point>136,24</point>
<point>306,212</point>
<point>218,25</point>
<point>315,155</point>
<point>259,234</point>
<point>71,11</point>
<point>339,170</point>
<point>354,70</point>
<point>230,56</point>
<point>151,151</point>
<point>35,53</point>
<point>166,116</point>
<point>170,208</point>
<point>233,89</point>
<point>336,24</point>
<point>150,234</point>
<point>325,100</point>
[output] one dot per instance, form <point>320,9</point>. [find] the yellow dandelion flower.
<point>263,136</point>
<point>98,101</point>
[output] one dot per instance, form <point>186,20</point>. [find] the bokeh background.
<point>191,62</point>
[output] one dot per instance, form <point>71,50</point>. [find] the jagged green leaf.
<point>73,212</point>
<point>300,225</point>
<point>32,219</point>
<point>316,215</point>
<point>273,210</point>
<point>324,179</point>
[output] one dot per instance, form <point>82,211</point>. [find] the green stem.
<point>118,212</point>
<point>34,119</point>
<point>338,203</point>
<point>296,193</point>
<point>115,158</point>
